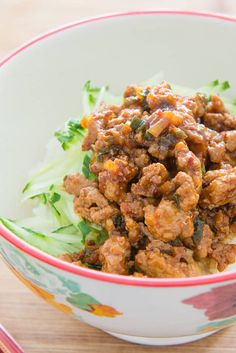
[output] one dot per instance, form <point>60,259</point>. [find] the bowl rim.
<point>89,273</point>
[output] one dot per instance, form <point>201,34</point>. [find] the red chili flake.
<point>191,162</point>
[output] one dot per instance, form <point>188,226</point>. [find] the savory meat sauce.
<point>164,186</point>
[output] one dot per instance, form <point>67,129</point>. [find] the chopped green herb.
<point>55,198</point>
<point>72,132</point>
<point>49,198</point>
<point>216,87</point>
<point>203,169</point>
<point>144,93</point>
<point>86,168</point>
<point>92,97</point>
<point>225,85</point>
<point>101,237</point>
<point>214,83</point>
<point>85,229</point>
<point>119,221</point>
<point>92,92</point>
<point>176,242</point>
<point>103,152</point>
<point>97,267</point>
<point>148,136</point>
<point>115,150</point>
<point>198,230</point>
<point>144,101</point>
<point>180,134</point>
<point>137,124</point>
<point>176,199</point>
<point>89,88</point>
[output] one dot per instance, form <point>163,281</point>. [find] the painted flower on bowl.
<point>57,290</point>
<point>88,303</point>
<point>48,297</point>
<point>218,303</point>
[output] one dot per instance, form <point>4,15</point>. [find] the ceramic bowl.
<point>40,86</point>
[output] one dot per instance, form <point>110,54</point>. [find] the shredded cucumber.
<point>53,246</point>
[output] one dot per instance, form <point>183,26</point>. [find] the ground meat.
<point>221,224</point>
<point>224,255</point>
<point>74,183</point>
<point>213,174</point>
<point>114,255</point>
<point>132,206</point>
<point>166,146</point>
<point>91,137</point>
<point>189,163</point>
<point>231,211</point>
<point>138,274</point>
<point>90,255</point>
<point>232,229</point>
<point>129,114</point>
<point>141,157</point>
<point>93,206</point>
<point>195,133</point>
<point>187,197</point>
<point>199,104</point>
<point>203,248</point>
<point>134,231</point>
<point>216,149</point>
<point>220,122</point>
<point>154,149</point>
<point>216,105</point>
<point>132,209</point>
<point>107,140</point>
<point>230,140</point>
<point>167,222</point>
<point>163,261</point>
<point>115,225</point>
<point>220,191</point>
<point>116,108</point>
<point>153,176</point>
<point>114,179</point>
<point>161,97</point>
<point>130,91</point>
<point>222,149</point>
<point>165,184</point>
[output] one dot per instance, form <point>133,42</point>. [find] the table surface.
<point>34,324</point>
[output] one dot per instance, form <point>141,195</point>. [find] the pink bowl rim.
<point>81,271</point>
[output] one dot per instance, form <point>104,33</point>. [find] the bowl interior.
<point>41,86</point>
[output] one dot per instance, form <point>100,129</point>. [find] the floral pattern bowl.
<point>39,85</point>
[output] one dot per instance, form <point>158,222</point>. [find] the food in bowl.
<point>145,185</point>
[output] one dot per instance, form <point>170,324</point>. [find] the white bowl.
<point>40,87</point>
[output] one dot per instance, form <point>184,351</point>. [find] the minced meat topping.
<point>164,187</point>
